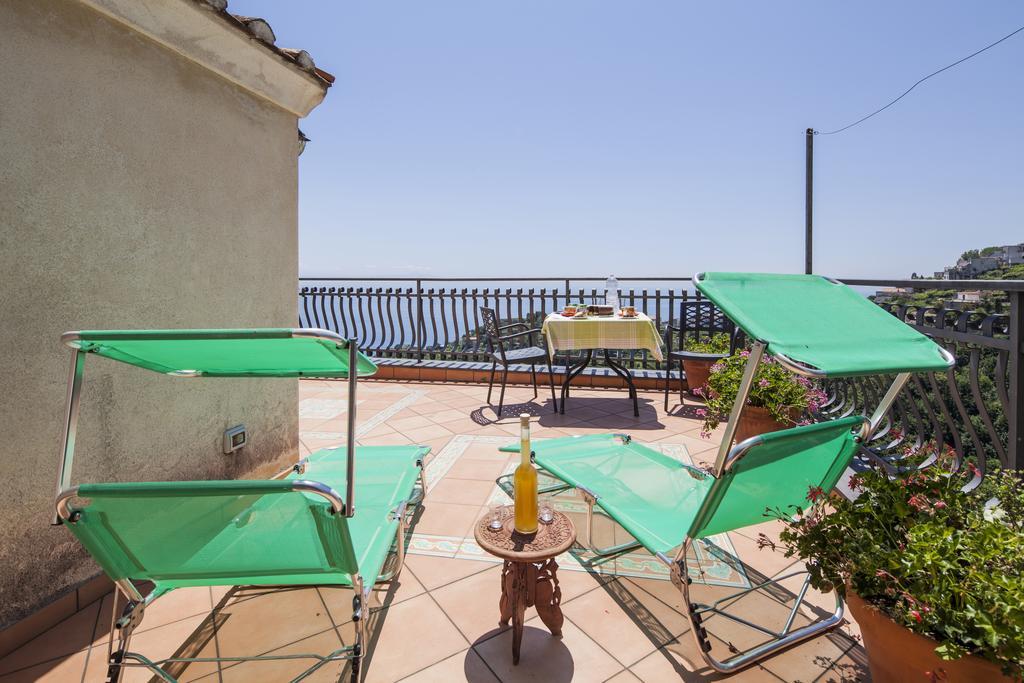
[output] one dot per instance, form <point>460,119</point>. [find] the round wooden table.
<point>530,575</point>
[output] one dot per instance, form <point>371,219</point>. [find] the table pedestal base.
<point>530,584</point>
<point>572,371</point>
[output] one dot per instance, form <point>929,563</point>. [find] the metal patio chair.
<point>815,327</point>
<point>298,528</point>
<point>505,355</point>
<point>695,316</point>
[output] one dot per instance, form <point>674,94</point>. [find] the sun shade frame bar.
<point>86,342</point>
<point>226,353</point>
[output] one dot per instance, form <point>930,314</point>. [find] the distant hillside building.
<point>1013,254</point>
<point>967,269</point>
<point>885,294</point>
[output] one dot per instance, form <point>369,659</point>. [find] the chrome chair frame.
<point>124,624</point>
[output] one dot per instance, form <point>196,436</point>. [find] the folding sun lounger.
<point>815,327</point>
<point>299,528</point>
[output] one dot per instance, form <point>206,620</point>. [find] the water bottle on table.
<point>611,294</point>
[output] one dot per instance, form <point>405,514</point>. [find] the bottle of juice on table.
<point>525,483</point>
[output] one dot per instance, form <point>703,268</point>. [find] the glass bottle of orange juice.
<point>525,482</point>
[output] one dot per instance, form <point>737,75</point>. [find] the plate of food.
<point>628,312</point>
<point>600,310</point>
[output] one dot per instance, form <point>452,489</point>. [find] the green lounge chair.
<point>298,528</point>
<point>814,326</point>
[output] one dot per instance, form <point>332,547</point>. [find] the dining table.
<point>588,332</point>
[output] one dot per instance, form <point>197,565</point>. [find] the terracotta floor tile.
<point>435,445</point>
<point>380,430</point>
<point>463,666</point>
<point>811,659</point>
<point>431,431</point>
<point>446,416</point>
<point>852,666</point>
<point>487,470</point>
<point>163,641</point>
<point>338,599</point>
<point>623,677</point>
<point>446,519</point>
<point>414,635</point>
<point>462,491</point>
<point>472,603</point>
<point>321,644</point>
<point>669,664</point>
<point>395,439</point>
<point>406,423</point>
<point>176,605</point>
<point>434,572</point>
<point>485,451</point>
<point>260,619</point>
<point>59,670</point>
<point>543,657</point>
<point>762,560</point>
<point>432,407</point>
<point>74,634</point>
<point>624,620</point>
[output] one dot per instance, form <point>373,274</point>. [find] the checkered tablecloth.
<point>568,334</point>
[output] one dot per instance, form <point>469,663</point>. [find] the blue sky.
<point>539,138</point>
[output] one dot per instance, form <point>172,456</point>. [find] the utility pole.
<point>809,205</point>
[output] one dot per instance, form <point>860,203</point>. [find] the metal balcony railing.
<point>976,409</point>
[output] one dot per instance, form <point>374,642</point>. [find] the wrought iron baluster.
<point>390,340</point>
<point>432,347</point>
<point>411,306</point>
<point>307,321</point>
<point>351,327</point>
<point>333,292</point>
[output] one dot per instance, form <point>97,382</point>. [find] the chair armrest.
<point>667,337</point>
<point>512,325</point>
<point>527,333</point>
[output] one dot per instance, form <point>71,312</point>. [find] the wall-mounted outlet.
<point>235,438</point>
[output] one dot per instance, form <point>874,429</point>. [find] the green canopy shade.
<point>824,326</point>
<point>269,352</point>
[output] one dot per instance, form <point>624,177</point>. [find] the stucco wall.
<point>137,190</point>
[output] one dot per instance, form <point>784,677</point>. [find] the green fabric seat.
<point>204,533</point>
<point>652,496</point>
<point>385,477</point>
<point>661,501</point>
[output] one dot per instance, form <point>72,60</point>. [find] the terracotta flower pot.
<point>697,372</point>
<point>756,420</point>
<point>896,654</point>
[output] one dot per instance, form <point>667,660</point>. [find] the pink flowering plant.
<point>786,397</point>
<point>943,563</point>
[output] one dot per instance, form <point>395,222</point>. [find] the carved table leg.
<point>525,584</point>
<point>505,604</point>
<point>520,597</point>
<point>549,596</point>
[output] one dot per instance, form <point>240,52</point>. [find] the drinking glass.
<point>546,511</point>
<point>496,517</point>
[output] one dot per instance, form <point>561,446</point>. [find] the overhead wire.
<point>907,91</point>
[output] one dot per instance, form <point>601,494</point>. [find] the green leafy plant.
<point>784,395</point>
<point>943,563</point>
<point>716,343</point>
